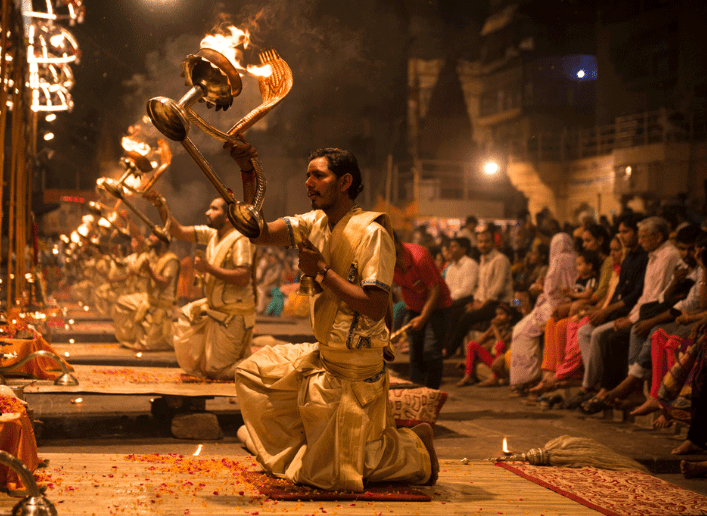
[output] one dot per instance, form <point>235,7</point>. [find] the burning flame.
<point>198,450</point>
<point>226,45</point>
<point>104,223</point>
<point>133,182</point>
<point>76,401</point>
<point>82,230</point>
<point>505,445</point>
<point>87,219</point>
<point>131,145</point>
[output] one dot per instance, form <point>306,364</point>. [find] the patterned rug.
<point>614,493</point>
<point>279,489</point>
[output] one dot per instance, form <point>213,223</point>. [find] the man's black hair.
<point>342,162</point>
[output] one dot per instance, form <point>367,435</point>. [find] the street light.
<point>490,168</point>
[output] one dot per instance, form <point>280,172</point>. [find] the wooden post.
<point>3,113</point>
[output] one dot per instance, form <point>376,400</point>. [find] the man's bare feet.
<point>622,390</point>
<point>467,380</point>
<point>426,434</point>
<point>686,448</point>
<point>493,381</point>
<point>662,422</point>
<point>693,469</point>
<point>630,402</point>
<point>649,406</point>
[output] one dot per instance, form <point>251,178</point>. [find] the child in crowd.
<point>490,345</point>
<point>523,303</point>
<point>588,265</point>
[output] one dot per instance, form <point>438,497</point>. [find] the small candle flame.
<point>71,341</point>
<point>66,354</point>
<point>76,401</point>
<point>198,450</point>
<point>505,445</point>
<point>138,354</point>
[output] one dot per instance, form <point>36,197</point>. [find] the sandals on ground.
<point>575,401</point>
<point>593,406</point>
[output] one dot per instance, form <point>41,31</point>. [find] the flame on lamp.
<point>103,222</point>
<point>198,450</point>
<point>133,182</point>
<point>505,445</point>
<point>226,45</point>
<point>132,145</point>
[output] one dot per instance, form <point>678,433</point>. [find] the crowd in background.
<point>612,309</point>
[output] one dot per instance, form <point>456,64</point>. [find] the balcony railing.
<point>627,131</point>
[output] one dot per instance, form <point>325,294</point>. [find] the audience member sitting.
<point>491,344</point>
<point>495,286</point>
<point>525,345</point>
<point>535,267</point>
<point>468,231</point>
<point>462,274</point>
<point>523,304</point>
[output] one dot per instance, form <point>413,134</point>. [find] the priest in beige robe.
<point>319,413</point>
<point>143,321</point>
<point>213,334</point>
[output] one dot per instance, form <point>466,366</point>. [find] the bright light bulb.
<point>490,168</point>
<point>581,74</point>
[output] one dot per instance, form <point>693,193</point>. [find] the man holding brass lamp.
<point>319,413</point>
<point>214,333</point>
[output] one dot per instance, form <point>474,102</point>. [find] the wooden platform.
<point>86,484</point>
<point>159,381</point>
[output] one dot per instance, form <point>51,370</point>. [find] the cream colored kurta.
<point>319,414</point>
<point>107,294</point>
<point>143,320</point>
<point>213,334</point>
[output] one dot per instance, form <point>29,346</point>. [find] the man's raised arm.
<point>274,233</point>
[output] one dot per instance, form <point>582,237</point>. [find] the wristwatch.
<point>320,275</point>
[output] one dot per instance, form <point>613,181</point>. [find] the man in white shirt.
<point>495,286</point>
<point>463,272</point>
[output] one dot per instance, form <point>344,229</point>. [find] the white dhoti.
<point>141,324</point>
<point>82,292</point>
<point>210,343</point>
<point>314,427</point>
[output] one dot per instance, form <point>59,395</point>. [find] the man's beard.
<point>215,224</point>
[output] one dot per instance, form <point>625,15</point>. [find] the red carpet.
<point>614,493</point>
<point>279,489</point>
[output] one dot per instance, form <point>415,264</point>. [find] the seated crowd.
<point>611,310</point>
